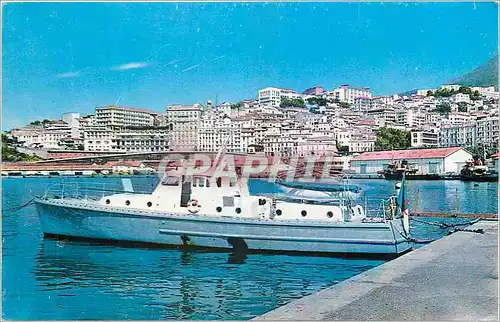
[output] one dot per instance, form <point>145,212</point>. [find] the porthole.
<point>279,212</point>
<point>219,209</point>
<point>329,214</point>
<point>149,203</point>
<point>238,210</point>
<point>108,201</point>
<point>127,202</point>
<point>303,213</point>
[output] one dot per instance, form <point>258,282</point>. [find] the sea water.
<point>65,280</point>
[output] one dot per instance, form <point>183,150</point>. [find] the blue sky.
<point>60,57</point>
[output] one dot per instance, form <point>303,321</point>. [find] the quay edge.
<point>455,277</point>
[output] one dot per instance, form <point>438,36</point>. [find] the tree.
<point>462,107</point>
<point>317,101</point>
<point>465,90</point>
<point>345,105</point>
<point>430,93</point>
<point>236,106</point>
<point>292,102</point>
<point>392,139</point>
<point>475,96</point>
<point>443,108</point>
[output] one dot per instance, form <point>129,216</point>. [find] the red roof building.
<point>426,161</point>
<point>407,154</point>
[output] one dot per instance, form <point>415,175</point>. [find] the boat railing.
<point>86,190</point>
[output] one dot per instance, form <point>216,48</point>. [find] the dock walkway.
<point>454,278</point>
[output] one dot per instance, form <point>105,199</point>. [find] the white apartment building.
<point>455,118</point>
<point>215,129</point>
<point>383,116</point>
<point>348,94</point>
<point>459,97</point>
<point>116,116</point>
<point>99,138</point>
<point>410,118</point>
<point>387,100</point>
<point>183,122</point>
<point>421,139</point>
<point>487,131</point>
<point>463,135</point>
<point>48,136</point>
<point>484,91</point>
<point>269,96</point>
<point>317,145</point>
<point>362,103</point>
<point>362,142</point>
<point>141,139</point>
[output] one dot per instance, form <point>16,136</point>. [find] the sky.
<point>73,57</point>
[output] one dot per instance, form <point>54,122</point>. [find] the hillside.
<point>484,75</point>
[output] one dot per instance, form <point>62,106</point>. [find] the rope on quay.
<point>19,207</point>
<point>446,225</point>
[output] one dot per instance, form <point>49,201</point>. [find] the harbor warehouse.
<point>426,161</point>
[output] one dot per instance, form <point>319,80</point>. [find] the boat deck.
<point>454,278</point>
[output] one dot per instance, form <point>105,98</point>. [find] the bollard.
<point>457,203</point>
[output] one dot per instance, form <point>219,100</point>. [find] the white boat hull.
<point>78,218</point>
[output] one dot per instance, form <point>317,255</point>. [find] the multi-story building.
<point>421,139</point>
<point>141,139</point>
<point>183,122</point>
<point>410,118</point>
<point>269,96</point>
<point>383,116</point>
<point>217,129</point>
<point>463,135</point>
<point>99,138</point>
<point>386,100</point>
<point>117,116</point>
<point>455,118</point>
<point>48,136</point>
<point>460,97</point>
<point>348,94</point>
<point>487,131</point>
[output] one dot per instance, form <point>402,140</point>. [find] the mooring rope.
<point>19,207</point>
<point>445,225</point>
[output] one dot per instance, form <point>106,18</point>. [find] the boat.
<point>396,169</point>
<point>220,213</point>
<point>474,170</point>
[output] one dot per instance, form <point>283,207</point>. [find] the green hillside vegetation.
<point>484,75</point>
<point>10,154</point>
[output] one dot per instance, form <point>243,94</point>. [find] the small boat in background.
<point>474,170</point>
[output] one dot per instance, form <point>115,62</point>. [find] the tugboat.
<point>212,211</point>
<point>396,169</point>
<point>474,170</point>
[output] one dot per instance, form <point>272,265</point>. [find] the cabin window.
<point>108,201</point>
<point>149,203</point>
<point>194,182</point>
<point>238,210</point>
<point>208,183</point>
<point>329,214</point>
<point>303,213</point>
<point>232,182</point>
<point>219,182</point>
<point>127,202</point>
<point>279,212</point>
<point>219,209</point>
<point>201,182</point>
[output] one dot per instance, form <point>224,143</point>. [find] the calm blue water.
<point>46,279</point>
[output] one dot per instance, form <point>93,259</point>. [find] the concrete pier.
<point>454,278</point>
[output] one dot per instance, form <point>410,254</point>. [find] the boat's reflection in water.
<point>149,283</point>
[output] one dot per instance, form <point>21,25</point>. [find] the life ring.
<point>193,206</point>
